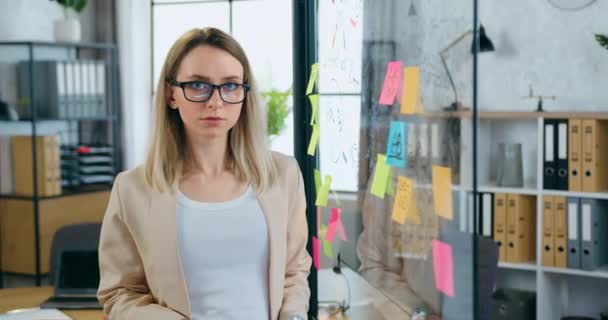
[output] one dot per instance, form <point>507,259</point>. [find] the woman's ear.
<point>169,99</point>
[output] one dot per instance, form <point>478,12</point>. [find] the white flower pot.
<point>67,30</point>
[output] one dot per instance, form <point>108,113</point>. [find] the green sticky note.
<point>314,74</point>
<point>314,102</point>
<point>323,193</point>
<point>390,188</point>
<point>381,173</point>
<point>327,250</point>
<point>317,180</point>
<point>314,139</point>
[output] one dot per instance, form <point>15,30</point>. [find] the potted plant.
<point>276,110</point>
<point>68,28</point>
<point>602,39</point>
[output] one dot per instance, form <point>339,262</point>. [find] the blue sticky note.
<point>396,153</point>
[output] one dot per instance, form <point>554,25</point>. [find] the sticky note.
<point>380,177</point>
<point>405,202</point>
<point>314,75</point>
<point>314,102</point>
<point>316,254</point>
<point>392,82</point>
<point>442,192</point>
<point>327,249</point>
<point>314,139</point>
<point>335,224</point>
<point>443,265</point>
<point>317,175</point>
<point>411,90</point>
<point>396,154</point>
<point>323,193</point>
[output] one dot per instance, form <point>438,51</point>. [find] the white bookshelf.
<point>559,291</point>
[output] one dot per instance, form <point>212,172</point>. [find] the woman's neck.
<point>208,158</point>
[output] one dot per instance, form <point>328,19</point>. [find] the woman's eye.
<point>230,86</point>
<point>199,86</point>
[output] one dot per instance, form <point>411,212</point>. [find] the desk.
<point>20,298</point>
<point>367,302</point>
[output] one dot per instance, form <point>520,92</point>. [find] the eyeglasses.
<point>199,91</point>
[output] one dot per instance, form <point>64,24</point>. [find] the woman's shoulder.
<point>131,179</point>
<point>284,163</point>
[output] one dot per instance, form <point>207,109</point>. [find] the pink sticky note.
<point>335,224</point>
<point>392,83</point>
<point>444,267</point>
<point>316,254</point>
<point>331,231</point>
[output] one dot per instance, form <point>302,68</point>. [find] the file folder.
<point>593,232</point>
<point>595,156</point>
<point>560,233</point>
<point>486,214</point>
<point>561,181</point>
<point>548,255</point>
<point>574,233</point>
<point>575,182</point>
<point>521,224</point>
<point>500,224</point>
<point>549,162</point>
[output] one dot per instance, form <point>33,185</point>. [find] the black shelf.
<point>80,45</point>
<point>100,118</point>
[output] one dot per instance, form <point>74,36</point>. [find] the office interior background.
<point>466,141</point>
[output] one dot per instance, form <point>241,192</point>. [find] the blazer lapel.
<point>268,203</point>
<point>163,208</point>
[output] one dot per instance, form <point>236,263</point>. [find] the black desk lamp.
<point>485,45</point>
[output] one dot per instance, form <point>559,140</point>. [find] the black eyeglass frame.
<point>183,85</point>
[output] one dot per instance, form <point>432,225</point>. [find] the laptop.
<point>76,281</point>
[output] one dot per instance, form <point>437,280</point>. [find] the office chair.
<point>76,237</point>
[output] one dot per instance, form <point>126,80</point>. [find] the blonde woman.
<point>213,225</point>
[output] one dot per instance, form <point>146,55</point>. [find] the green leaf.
<point>277,110</point>
<point>602,39</point>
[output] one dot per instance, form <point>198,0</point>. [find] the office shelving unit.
<point>42,215</point>
<point>560,291</point>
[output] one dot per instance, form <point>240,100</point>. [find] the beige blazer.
<point>141,271</point>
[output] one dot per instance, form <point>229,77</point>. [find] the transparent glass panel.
<point>171,21</point>
<point>269,48</point>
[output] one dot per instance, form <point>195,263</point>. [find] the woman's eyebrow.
<point>205,78</point>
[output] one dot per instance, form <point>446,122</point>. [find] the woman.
<point>213,225</point>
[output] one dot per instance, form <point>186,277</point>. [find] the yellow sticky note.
<point>314,102</point>
<point>405,202</point>
<point>317,176</point>
<point>327,250</point>
<point>314,74</point>
<point>411,84</point>
<point>323,193</point>
<point>390,189</point>
<point>380,176</point>
<point>314,139</point>
<point>442,192</point>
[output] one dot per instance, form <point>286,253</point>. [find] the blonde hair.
<point>249,156</point>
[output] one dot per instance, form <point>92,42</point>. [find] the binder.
<point>100,85</point>
<point>548,244</point>
<point>69,89</point>
<point>423,131</point>
<point>486,214</point>
<point>561,154</point>
<point>549,162</point>
<point>521,224</point>
<point>500,224</point>
<point>574,233</point>
<point>48,167</point>
<point>575,182</point>
<point>6,166</point>
<point>593,232</point>
<point>44,91</point>
<point>435,144</point>
<point>595,156</point>
<point>560,233</point>
<point>411,144</point>
<point>78,96</point>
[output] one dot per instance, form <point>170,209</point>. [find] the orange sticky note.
<point>405,202</point>
<point>316,256</point>
<point>442,192</point>
<point>314,139</point>
<point>392,83</point>
<point>443,264</point>
<point>314,75</point>
<point>411,89</point>
<point>380,176</point>
<point>314,102</point>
